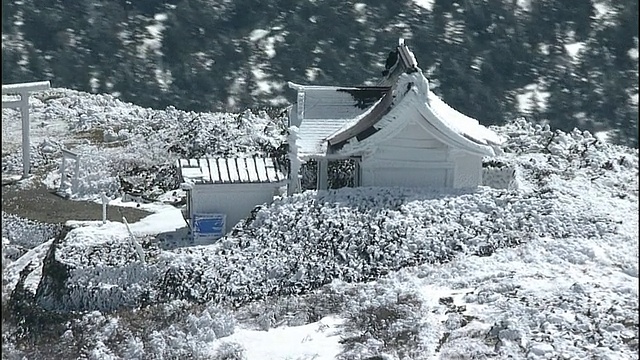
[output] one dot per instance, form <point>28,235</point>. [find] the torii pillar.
<point>23,90</point>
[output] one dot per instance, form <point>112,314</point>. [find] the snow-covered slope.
<point>547,269</point>
<point>302,242</point>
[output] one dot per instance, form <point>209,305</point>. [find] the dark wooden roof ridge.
<point>406,63</point>
<point>366,122</point>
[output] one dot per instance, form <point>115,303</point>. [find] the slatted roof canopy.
<point>253,170</point>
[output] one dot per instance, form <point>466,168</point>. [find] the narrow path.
<point>40,204</point>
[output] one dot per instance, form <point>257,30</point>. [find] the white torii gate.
<point>23,90</point>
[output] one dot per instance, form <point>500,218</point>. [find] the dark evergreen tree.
<point>232,55</point>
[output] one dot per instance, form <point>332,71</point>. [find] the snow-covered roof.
<point>326,130</point>
<point>413,99</point>
<point>329,102</point>
<point>323,110</point>
<point>230,170</point>
<point>462,124</point>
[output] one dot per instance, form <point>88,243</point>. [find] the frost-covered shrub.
<point>10,351</point>
<point>302,242</point>
<point>498,174</point>
<point>387,325</point>
<point>166,331</point>
<point>340,173</point>
<point>134,137</point>
<point>134,348</point>
<point>230,351</point>
<point>275,311</point>
<point>27,233</point>
<point>219,322</point>
<point>44,155</point>
<point>467,347</point>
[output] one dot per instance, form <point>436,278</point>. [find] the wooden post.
<point>135,243</point>
<point>23,90</point>
<point>323,170</point>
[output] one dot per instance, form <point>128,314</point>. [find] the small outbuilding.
<point>223,191</point>
<point>399,133</point>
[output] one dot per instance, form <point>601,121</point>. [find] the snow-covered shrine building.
<point>400,133</point>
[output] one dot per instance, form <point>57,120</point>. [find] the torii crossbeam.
<point>23,90</point>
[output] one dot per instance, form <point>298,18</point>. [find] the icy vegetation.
<point>547,268</point>
<point>118,141</point>
<point>20,235</point>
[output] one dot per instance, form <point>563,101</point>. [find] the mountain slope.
<point>546,268</point>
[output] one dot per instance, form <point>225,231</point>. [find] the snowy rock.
<point>514,335</point>
<point>124,134</point>
<point>49,147</point>
<point>578,288</point>
<point>109,136</point>
<point>541,349</point>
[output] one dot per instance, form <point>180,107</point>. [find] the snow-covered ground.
<point>548,269</point>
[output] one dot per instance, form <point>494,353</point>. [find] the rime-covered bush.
<point>358,253</point>
<point>118,140</point>
<point>340,173</point>
<point>389,325</point>
<point>302,242</point>
<point>24,234</point>
<point>230,351</point>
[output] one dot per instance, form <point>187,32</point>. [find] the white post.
<point>105,201</point>
<point>23,90</point>
<point>66,154</point>
<point>356,176</point>
<point>26,142</point>
<point>294,161</point>
<point>76,177</point>
<point>62,173</point>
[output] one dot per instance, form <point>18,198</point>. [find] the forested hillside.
<point>571,63</point>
